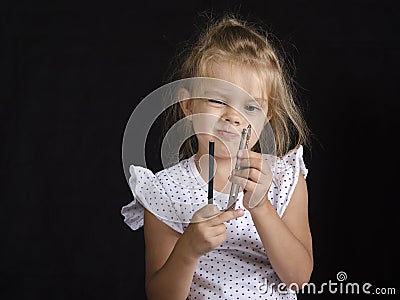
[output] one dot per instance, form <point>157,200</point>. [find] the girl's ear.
<point>184,101</point>
<point>269,115</point>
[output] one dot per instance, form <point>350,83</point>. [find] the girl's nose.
<point>232,116</point>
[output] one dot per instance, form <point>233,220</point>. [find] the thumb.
<point>227,216</point>
<point>205,213</point>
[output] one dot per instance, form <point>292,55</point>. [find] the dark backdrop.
<point>72,72</point>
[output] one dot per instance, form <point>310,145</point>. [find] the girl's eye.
<point>252,108</point>
<point>215,101</point>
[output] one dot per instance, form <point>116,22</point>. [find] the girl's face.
<point>224,114</point>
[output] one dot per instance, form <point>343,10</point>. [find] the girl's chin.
<point>222,150</point>
<point>224,154</point>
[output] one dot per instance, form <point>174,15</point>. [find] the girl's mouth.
<point>227,134</point>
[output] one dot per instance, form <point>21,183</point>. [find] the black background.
<point>72,73</point>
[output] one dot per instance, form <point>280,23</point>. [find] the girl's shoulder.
<point>163,193</point>
<point>286,171</point>
<point>177,172</point>
<point>288,165</point>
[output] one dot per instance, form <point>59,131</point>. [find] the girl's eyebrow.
<point>216,93</point>
<point>227,96</point>
<point>223,94</point>
<point>258,101</point>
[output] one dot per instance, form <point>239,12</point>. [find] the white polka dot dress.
<point>239,268</point>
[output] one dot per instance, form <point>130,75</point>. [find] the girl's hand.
<point>202,237</point>
<point>254,177</point>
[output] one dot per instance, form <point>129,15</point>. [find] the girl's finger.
<point>244,183</point>
<point>246,153</point>
<point>250,162</point>
<point>255,160</point>
<point>218,229</point>
<point>251,174</point>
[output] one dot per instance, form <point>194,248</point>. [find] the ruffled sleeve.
<point>287,172</point>
<point>148,193</point>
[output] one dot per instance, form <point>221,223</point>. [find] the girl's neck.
<point>223,167</point>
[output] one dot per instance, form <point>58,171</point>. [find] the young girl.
<point>262,249</point>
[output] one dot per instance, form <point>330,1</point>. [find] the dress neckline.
<point>195,172</point>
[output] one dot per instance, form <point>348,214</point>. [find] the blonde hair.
<point>231,39</point>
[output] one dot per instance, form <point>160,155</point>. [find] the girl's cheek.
<point>204,120</point>
<point>202,125</point>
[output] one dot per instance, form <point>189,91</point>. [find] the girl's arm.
<point>169,268</point>
<point>171,258</point>
<point>287,241</point>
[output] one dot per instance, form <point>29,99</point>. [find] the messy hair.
<point>236,41</point>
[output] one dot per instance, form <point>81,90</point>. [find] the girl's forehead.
<point>241,75</point>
